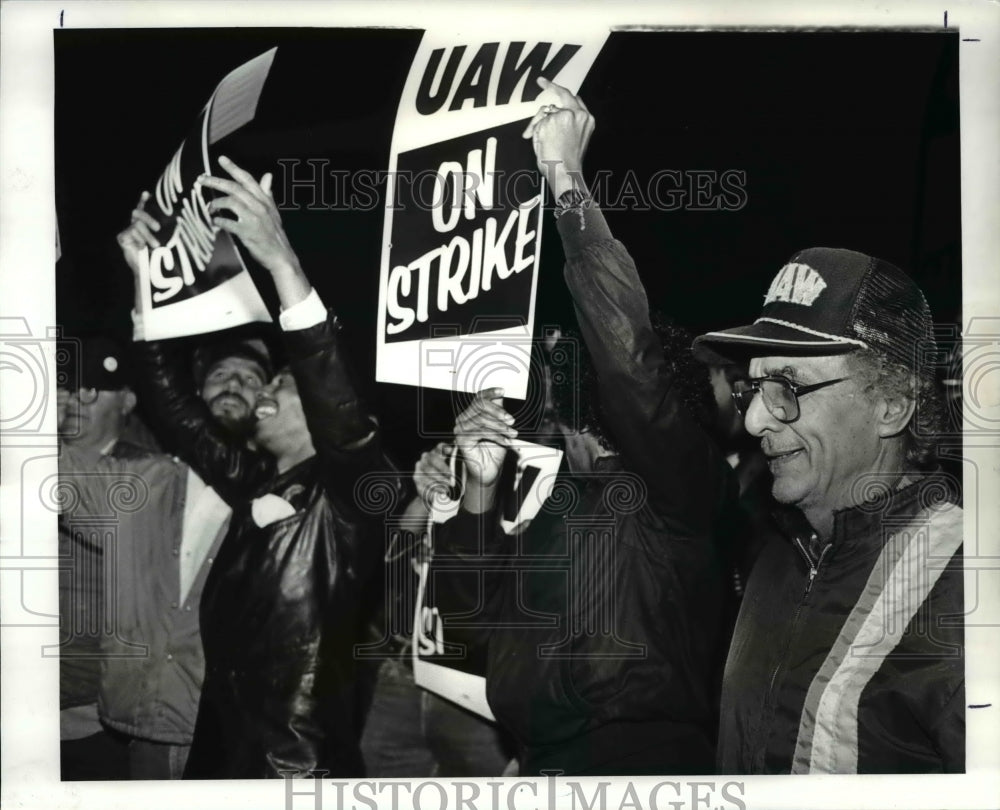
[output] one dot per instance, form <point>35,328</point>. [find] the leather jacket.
<point>279,608</point>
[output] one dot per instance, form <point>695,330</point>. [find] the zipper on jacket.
<point>813,570</point>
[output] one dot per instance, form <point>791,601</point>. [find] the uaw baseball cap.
<point>830,301</point>
<point>92,362</point>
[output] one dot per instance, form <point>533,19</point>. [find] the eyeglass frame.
<point>796,390</point>
<point>86,395</point>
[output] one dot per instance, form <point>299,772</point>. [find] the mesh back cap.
<point>830,301</point>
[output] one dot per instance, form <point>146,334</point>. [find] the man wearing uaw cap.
<point>848,653</point>
<point>847,656</point>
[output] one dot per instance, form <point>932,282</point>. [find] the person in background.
<point>621,681</point>
<point>411,732</point>
<point>94,405</point>
<point>147,657</point>
<point>228,373</point>
<point>745,457</point>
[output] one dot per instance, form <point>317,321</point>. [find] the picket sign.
<point>196,281</point>
<point>463,223</point>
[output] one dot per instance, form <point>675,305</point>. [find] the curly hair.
<point>576,393</point>
<point>691,375</point>
<point>877,373</point>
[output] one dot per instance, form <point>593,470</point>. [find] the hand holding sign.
<point>482,432</point>
<point>258,226</point>
<point>432,476</point>
<point>560,133</point>
<point>140,234</point>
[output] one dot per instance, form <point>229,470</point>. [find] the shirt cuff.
<point>310,311</point>
<point>138,327</point>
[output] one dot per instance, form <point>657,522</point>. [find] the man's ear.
<point>894,414</point>
<point>128,401</point>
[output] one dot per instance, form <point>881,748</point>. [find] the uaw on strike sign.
<point>196,280</point>
<point>464,209</point>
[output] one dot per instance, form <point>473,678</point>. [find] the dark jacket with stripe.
<point>848,657</point>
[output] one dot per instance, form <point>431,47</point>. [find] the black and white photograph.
<point>565,406</point>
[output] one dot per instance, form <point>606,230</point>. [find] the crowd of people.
<point>764,576</point>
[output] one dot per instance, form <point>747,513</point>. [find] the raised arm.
<point>222,459</point>
<point>642,402</point>
<point>471,540</point>
<point>344,432</point>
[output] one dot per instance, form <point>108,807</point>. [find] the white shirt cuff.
<point>138,328</point>
<point>310,311</point>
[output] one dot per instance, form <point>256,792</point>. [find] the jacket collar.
<point>860,525</point>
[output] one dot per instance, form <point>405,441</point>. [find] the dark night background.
<point>846,139</point>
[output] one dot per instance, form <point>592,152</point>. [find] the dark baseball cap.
<point>92,362</point>
<point>830,301</point>
<point>255,349</point>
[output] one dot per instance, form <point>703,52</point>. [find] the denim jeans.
<point>392,742</point>
<point>463,743</point>
<point>152,760</point>
<point>413,733</point>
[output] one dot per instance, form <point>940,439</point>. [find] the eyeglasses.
<point>781,395</point>
<point>85,395</point>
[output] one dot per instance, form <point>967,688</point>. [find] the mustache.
<point>240,425</point>
<point>228,396</point>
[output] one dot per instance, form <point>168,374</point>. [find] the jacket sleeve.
<point>223,461</point>
<point>643,408</point>
<point>338,420</point>
<point>356,473</point>
<point>468,549</point>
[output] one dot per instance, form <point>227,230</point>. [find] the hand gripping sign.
<point>447,666</point>
<point>196,281</point>
<point>464,208</point>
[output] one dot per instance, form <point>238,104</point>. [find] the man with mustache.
<point>229,374</point>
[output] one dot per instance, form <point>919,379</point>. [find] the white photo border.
<point>30,748</point>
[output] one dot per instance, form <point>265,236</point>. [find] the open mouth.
<point>230,402</point>
<point>265,412</point>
